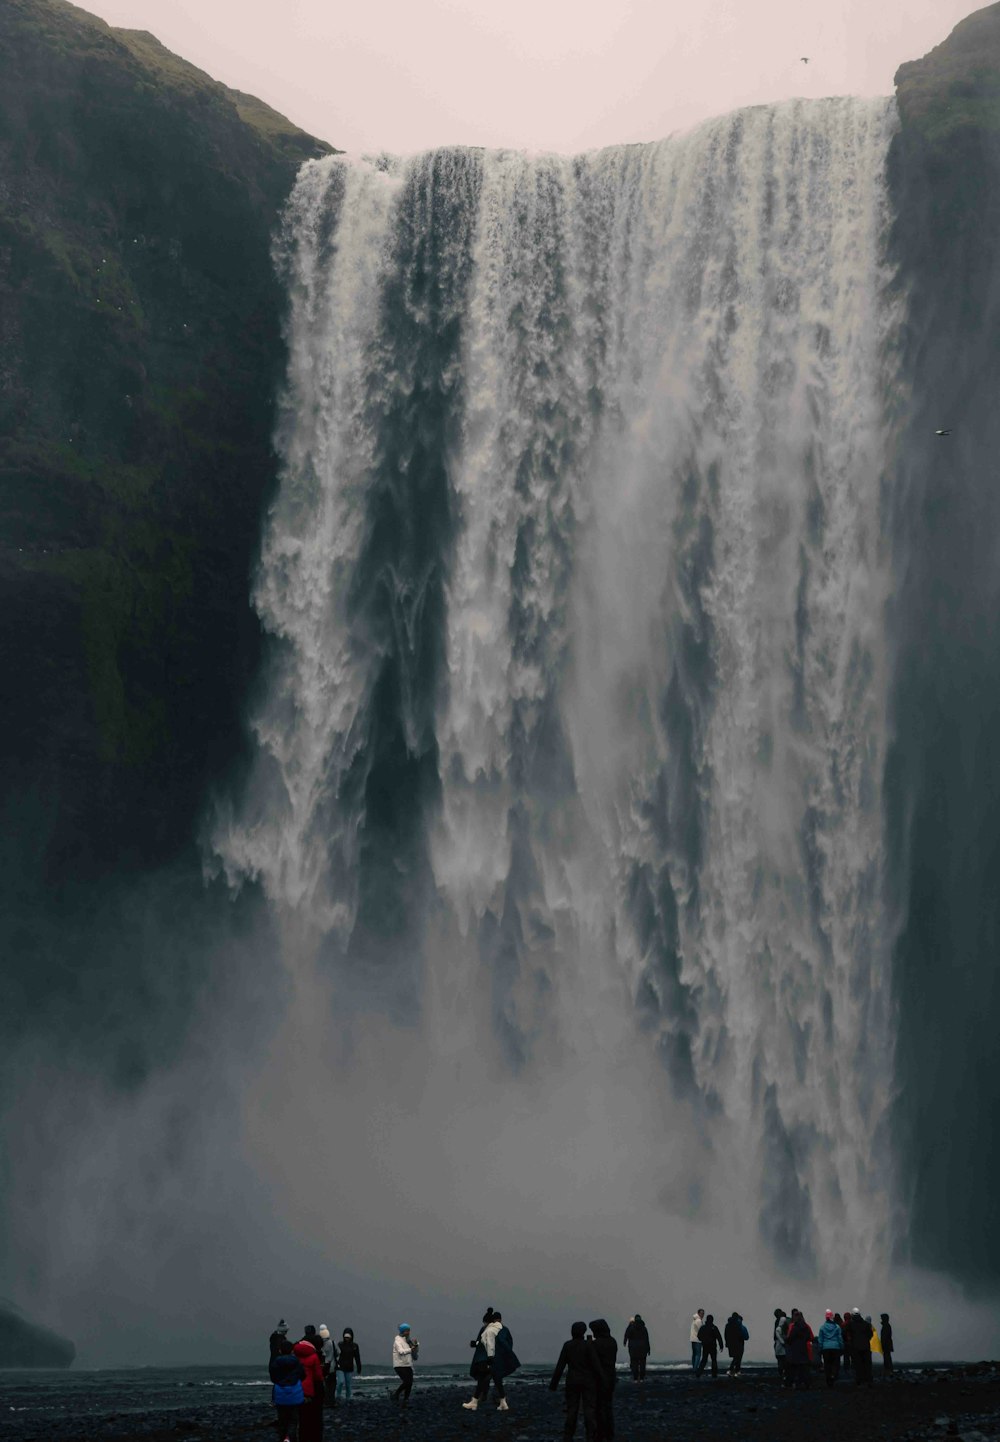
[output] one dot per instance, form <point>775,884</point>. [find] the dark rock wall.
<point>944,768</point>
<point>140,345</point>
<point>22,1344</point>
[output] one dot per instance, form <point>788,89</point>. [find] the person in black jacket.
<point>861,1348</point>
<point>798,1350</point>
<point>579,1361</point>
<point>606,1349</point>
<point>711,1340</point>
<point>348,1362</point>
<point>735,1343</point>
<point>278,1338</point>
<point>636,1339</point>
<point>845,1332</point>
<point>888,1347</point>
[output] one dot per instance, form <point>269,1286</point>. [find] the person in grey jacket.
<point>780,1328</point>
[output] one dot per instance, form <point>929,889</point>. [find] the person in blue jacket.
<point>831,1345</point>
<point>287,1374</point>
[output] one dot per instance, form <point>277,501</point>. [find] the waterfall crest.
<point>576,709</point>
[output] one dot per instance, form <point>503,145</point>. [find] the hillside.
<point>140,343</point>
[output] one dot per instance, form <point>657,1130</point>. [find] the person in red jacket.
<point>311,1411</point>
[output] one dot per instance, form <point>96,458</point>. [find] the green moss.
<point>105,605</point>
<point>955,88</point>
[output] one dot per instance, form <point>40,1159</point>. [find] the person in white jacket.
<point>404,1354</point>
<point>697,1321</point>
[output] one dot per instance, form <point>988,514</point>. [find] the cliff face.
<point>139,347</point>
<point>22,1344</point>
<point>944,769</point>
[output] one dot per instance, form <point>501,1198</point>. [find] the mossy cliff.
<point>139,348</point>
<point>944,767</point>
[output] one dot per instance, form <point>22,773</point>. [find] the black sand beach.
<point>931,1404</point>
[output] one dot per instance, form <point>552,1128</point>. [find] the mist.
<point>322,1162</point>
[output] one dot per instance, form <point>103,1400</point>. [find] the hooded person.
<point>580,1362</point>
<point>311,1411</point>
<point>846,1333</point>
<point>711,1340</point>
<point>287,1375</point>
<point>888,1346</point>
<point>736,1337</point>
<point>697,1322</point>
<point>798,1350</point>
<point>831,1344</point>
<point>348,1362</point>
<point>636,1340</point>
<point>606,1350</point>
<point>861,1348</point>
<point>492,1361</point>
<point>278,1338</point>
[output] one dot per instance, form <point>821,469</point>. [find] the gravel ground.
<point>939,1405</point>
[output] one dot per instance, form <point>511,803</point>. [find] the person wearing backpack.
<point>287,1375</point>
<point>711,1340</point>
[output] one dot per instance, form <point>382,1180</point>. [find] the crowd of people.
<point>309,1374</point>
<point>314,1372</point>
<point>849,1341</point>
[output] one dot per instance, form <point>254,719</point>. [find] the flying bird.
<point>943,433</point>
<point>804,59</point>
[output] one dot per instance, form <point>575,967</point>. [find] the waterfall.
<point>573,726</point>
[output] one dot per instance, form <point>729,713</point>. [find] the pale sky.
<point>567,75</point>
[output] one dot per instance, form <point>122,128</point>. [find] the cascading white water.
<point>586,456</point>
